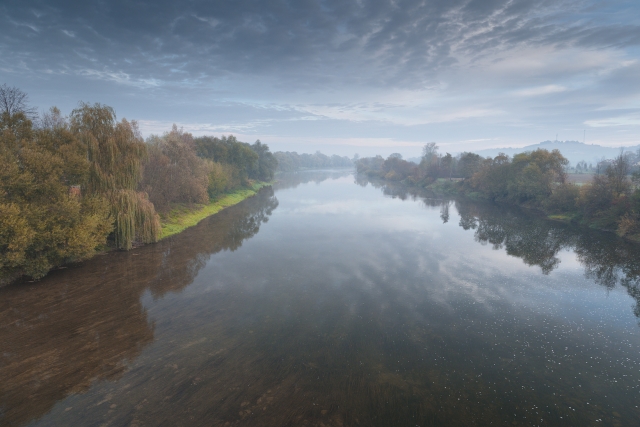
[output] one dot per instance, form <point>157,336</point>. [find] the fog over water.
<point>329,300</point>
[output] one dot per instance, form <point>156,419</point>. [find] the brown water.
<point>331,303</point>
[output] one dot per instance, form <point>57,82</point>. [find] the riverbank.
<point>182,217</point>
<point>445,188</point>
<point>177,220</point>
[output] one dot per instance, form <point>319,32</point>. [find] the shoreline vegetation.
<point>78,185</point>
<point>534,180</point>
<point>182,217</point>
<point>74,186</point>
<point>289,161</point>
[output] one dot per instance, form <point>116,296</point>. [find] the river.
<point>331,301</point>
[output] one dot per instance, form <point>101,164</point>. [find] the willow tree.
<point>115,151</point>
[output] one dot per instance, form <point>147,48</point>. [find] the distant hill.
<point>575,151</point>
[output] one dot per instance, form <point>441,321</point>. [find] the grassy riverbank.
<point>182,217</point>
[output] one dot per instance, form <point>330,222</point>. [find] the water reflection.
<point>351,309</point>
<point>292,180</point>
<point>608,260</point>
<point>87,323</point>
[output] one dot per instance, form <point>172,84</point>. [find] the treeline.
<point>582,167</point>
<point>535,179</point>
<point>182,169</point>
<point>291,161</point>
<point>69,185</point>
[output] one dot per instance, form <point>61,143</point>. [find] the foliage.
<point>563,199</point>
<point>529,177</point>
<point>71,185</point>
<point>42,223</point>
<point>468,164</point>
<point>535,179</point>
<point>173,173</point>
<point>229,151</point>
<point>265,166</point>
<point>181,218</point>
<point>220,178</point>
<point>289,161</point>
<point>394,168</point>
<point>115,152</point>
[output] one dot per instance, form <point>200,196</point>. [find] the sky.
<point>339,76</point>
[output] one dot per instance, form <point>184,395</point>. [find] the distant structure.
<point>75,191</point>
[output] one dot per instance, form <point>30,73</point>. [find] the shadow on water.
<point>86,323</point>
<point>607,259</point>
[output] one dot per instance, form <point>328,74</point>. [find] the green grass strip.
<point>182,217</point>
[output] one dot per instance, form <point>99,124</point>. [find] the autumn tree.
<point>115,151</point>
<point>42,223</point>
<point>173,173</point>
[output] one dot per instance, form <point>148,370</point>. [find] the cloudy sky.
<point>342,76</point>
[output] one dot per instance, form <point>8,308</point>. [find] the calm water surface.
<point>331,302</point>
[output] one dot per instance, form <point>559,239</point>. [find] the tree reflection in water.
<point>87,323</point>
<point>608,260</point>
<point>294,179</point>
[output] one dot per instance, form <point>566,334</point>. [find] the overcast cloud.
<point>360,76</point>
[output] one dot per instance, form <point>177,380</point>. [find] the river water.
<point>330,301</point>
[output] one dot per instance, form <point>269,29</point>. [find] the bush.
<point>563,199</point>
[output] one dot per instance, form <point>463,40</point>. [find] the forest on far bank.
<point>289,161</point>
<point>535,179</point>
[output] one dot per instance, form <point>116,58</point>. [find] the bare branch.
<point>13,101</point>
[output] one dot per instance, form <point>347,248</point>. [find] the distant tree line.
<point>535,179</point>
<point>291,161</point>
<point>69,185</point>
<point>601,166</point>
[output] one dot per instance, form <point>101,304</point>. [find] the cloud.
<point>378,43</point>
<point>614,121</point>
<point>540,90</point>
<point>416,68</point>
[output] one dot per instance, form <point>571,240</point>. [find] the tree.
<point>115,151</point>
<point>42,223</point>
<point>617,174</point>
<point>173,173</point>
<point>266,164</point>
<point>429,152</point>
<point>13,101</point>
<point>468,164</point>
<point>447,162</point>
<point>230,151</point>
